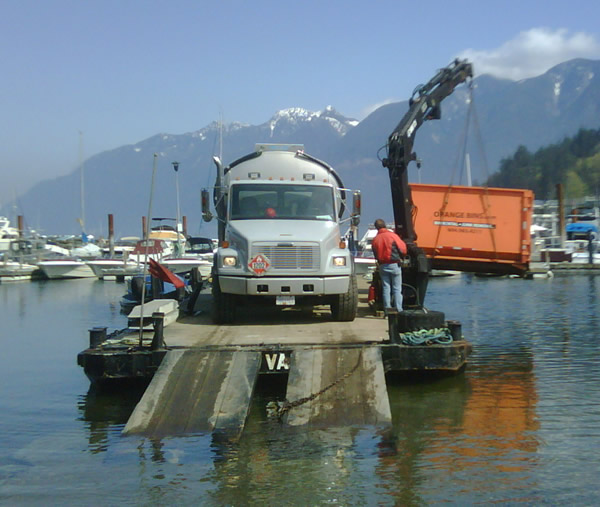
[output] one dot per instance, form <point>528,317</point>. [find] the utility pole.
<point>178,227</point>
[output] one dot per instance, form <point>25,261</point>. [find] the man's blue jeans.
<point>391,280</point>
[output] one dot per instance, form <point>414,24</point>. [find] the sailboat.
<point>74,266</point>
<point>12,270</point>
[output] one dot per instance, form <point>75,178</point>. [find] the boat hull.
<point>11,271</point>
<point>62,269</point>
<point>114,267</point>
<point>362,265</point>
<point>184,265</point>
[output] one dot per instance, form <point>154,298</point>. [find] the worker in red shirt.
<point>389,250</point>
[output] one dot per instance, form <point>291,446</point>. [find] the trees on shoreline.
<point>574,162</point>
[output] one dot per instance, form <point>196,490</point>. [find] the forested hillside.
<point>574,162</point>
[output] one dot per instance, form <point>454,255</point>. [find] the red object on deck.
<point>162,273</point>
<point>371,296</point>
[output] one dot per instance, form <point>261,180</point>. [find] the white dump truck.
<point>280,212</point>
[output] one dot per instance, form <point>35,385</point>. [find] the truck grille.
<point>290,257</point>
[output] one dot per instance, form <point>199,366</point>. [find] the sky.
<point>83,76</point>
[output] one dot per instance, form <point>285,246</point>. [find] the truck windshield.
<point>281,202</point>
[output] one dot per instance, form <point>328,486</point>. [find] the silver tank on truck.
<point>280,214</point>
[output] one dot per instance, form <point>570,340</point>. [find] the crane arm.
<point>423,105</point>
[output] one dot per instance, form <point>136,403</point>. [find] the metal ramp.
<point>197,391</point>
<point>352,386</point>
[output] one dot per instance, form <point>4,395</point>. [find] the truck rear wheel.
<point>343,306</point>
<point>223,307</point>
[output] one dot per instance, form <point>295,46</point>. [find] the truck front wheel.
<point>343,306</point>
<point>223,307</point>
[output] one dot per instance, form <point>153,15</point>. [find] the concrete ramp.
<point>197,391</point>
<point>353,385</point>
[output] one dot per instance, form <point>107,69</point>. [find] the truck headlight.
<point>229,261</point>
<point>339,261</point>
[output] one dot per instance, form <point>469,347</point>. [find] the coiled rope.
<point>440,335</point>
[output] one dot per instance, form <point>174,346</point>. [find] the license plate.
<point>285,300</point>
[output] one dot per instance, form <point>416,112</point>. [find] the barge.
<point>201,376</point>
<point>118,356</point>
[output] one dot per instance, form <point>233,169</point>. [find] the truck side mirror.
<point>206,214</point>
<point>356,207</point>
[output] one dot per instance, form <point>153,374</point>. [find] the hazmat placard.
<point>259,264</point>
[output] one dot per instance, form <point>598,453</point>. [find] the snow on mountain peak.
<point>297,115</point>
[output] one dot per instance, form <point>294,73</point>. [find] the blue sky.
<point>121,71</point>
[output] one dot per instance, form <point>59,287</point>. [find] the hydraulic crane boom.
<point>423,105</point>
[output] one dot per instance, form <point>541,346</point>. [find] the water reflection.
<point>520,425</point>
<point>474,427</point>
<point>105,412</point>
<point>477,425</point>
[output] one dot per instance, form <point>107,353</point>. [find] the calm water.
<point>520,425</point>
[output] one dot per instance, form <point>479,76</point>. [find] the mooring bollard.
<point>156,286</point>
<point>455,328</point>
<point>97,336</point>
<point>393,325</point>
<point>159,324</point>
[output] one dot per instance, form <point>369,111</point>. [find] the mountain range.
<point>488,120</point>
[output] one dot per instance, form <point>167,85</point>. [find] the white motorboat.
<point>184,264</point>
<point>444,273</point>
<point>584,258</point>
<point>365,243</point>
<point>117,265</point>
<point>199,254</point>
<point>7,234</point>
<point>362,265</point>
<point>65,268</point>
<point>155,249</point>
<point>103,268</point>
<point>168,234</point>
<point>13,271</point>
<point>579,250</point>
<point>200,247</point>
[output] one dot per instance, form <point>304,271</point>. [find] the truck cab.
<point>280,214</point>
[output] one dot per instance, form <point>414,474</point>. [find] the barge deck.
<point>202,376</point>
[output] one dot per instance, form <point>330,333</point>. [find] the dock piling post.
<point>111,236</point>
<point>455,328</point>
<point>97,336</point>
<point>156,287</point>
<point>393,326</point>
<point>158,338</point>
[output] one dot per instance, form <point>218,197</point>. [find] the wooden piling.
<point>111,236</point>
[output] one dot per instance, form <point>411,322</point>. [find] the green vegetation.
<point>574,162</point>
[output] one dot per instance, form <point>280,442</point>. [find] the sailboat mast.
<point>221,135</point>
<point>81,192</point>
